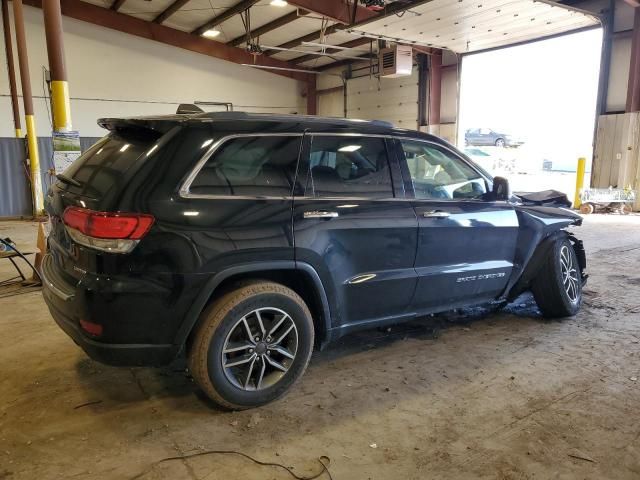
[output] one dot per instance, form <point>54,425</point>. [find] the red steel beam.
<point>11,70</point>
<point>312,96</point>
<point>435,87</point>
<point>169,36</point>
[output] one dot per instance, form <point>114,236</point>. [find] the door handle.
<point>320,214</point>
<point>436,214</point>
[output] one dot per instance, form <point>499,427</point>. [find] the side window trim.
<point>185,189</point>
<point>395,157</point>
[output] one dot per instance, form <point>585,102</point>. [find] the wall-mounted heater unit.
<point>396,61</point>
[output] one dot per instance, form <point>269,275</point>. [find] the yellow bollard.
<point>582,166</point>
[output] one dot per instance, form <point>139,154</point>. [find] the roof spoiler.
<point>188,108</point>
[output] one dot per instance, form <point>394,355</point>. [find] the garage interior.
<point>469,394</point>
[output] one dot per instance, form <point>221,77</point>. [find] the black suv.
<point>244,240</point>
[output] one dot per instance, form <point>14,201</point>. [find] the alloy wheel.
<point>259,349</point>
<point>569,273</point>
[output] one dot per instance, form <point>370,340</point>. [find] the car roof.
<point>244,122</point>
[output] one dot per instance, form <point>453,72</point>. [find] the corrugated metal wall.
<point>15,194</point>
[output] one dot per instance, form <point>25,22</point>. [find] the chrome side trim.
<point>320,214</point>
<point>58,292</point>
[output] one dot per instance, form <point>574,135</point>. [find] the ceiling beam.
<point>310,37</point>
<point>108,18</point>
<point>341,63</point>
<point>350,44</point>
<point>224,16</point>
<point>392,9</point>
<point>268,27</point>
<point>115,6</point>
<point>339,10</point>
<point>170,10</point>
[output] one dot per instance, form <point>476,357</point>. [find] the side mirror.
<point>501,190</point>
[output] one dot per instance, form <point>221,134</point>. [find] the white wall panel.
<point>391,99</point>
<point>115,74</point>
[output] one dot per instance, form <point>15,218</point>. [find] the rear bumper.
<point>64,303</point>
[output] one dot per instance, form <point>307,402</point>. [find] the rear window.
<point>104,165</point>
<point>250,166</point>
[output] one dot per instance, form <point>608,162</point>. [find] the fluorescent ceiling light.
<point>350,148</point>
<point>211,33</point>
<point>278,3</point>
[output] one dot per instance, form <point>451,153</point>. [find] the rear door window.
<point>348,166</point>
<point>250,166</point>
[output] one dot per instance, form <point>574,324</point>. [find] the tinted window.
<point>253,166</point>
<point>344,166</point>
<point>104,165</point>
<point>439,174</point>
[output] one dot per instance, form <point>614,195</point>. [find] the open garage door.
<point>528,112</point>
<point>465,26</point>
<point>391,99</point>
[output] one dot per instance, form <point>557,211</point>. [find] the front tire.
<point>557,288</point>
<point>251,345</point>
<point>500,143</point>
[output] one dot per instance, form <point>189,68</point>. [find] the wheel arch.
<point>536,261</point>
<point>300,277</point>
<point>534,264</point>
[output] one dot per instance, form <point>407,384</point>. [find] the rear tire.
<point>251,345</point>
<point>557,288</point>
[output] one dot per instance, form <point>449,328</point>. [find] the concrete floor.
<point>506,396</point>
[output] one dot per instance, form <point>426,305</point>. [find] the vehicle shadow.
<point>117,387</point>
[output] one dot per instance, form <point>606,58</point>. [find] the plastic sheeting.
<point>15,194</point>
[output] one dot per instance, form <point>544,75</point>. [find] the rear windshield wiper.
<point>63,178</point>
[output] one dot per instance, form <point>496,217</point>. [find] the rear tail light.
<point>106,231</point>
<point>91,328</point>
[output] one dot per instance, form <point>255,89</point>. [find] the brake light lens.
<point>108,231</point>
<point>91,328</point>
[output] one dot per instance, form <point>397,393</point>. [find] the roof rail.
<point>293,117</point>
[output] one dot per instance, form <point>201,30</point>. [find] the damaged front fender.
<point>540,227</point>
